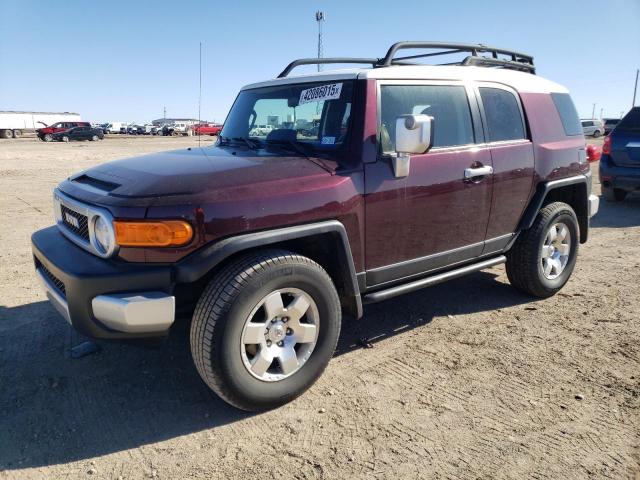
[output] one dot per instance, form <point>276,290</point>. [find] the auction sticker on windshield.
<point>318,94</point>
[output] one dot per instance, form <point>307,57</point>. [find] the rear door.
<point>512,158</point>
<point>625,140</point>
<point>434,217</point>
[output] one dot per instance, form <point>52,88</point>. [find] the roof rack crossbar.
<point>425,55</point>
<point>324,61</point>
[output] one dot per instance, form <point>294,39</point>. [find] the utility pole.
<point>320,20</point>
<point>601,113</point>
<point>164,113</point>
<point>593,112</point>
<point>635,89</point>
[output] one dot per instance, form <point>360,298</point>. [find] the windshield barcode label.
<point>318,94</point>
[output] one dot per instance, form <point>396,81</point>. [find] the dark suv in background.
<point>610,124</point>
<point>46,133</point>
<point>620,162</point>
<point>367,184</point>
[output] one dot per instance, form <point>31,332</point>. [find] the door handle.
<point>477,172</point>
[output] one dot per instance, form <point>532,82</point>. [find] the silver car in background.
<point>592,128</point>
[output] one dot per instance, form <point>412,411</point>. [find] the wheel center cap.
<point>277,331</point>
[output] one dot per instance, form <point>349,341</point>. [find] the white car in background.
<point>261,130</point>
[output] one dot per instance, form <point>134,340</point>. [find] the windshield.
<point>314,114</point>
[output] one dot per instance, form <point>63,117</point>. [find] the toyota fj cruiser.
<point>371,182</point>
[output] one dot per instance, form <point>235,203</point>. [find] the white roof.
<point>520,81</point>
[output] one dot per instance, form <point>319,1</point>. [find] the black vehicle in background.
<point>610,124</point>
<point>79,133</point>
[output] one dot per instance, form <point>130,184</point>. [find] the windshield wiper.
<point>252,144</point>
<point>298,148</point>
<point>248,142</point>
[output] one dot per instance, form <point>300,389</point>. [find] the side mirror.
<point>413,135</point>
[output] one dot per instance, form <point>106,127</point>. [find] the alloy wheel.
<point>555,250</point>
<point>280,334</point>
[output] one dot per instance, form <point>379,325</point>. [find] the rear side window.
<point>504,119</point>
<point>447,104</point>
<point>631,121</point>
<point>568,113</point>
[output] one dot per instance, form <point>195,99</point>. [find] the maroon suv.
<point>324,192</point>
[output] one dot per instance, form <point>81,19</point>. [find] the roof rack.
<point>517,61</point>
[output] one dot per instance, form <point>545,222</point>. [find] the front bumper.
<point>594,204</point>
<point>103,298</point>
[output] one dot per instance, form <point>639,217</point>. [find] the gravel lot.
<point>467,379</point>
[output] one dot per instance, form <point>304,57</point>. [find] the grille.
<point>55,281</point>
<point>82,229</point>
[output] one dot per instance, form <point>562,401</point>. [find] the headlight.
<point>102,234</point>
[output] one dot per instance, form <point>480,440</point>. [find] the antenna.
<point>200,94</point>
<point>320,20</point>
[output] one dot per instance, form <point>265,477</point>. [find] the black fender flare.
<point>201,262</point>
<point>537,201</point>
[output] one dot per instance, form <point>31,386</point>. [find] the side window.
<point>504,120</point>
<point>568,113</point>
<point>447,104</point>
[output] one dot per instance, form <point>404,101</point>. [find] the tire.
<point>17,133</point>
<point>613,194</point>
<point>65,139</point>
<point>94,138</point>
<point>6,133</point>
<point>597,133</point>
<point>47,138</point>
<point>222,317</point>
<point>530,255</point>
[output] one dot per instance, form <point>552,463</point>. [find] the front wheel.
<point>48,137</point>
<point>543,257</point>
<point>65,139</point>
<point>596,134</point>
<point>265,328</point>
<point>94,138</point>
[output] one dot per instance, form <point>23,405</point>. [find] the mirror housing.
<point>414,134</point>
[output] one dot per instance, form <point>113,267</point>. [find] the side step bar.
<point>427,282</point>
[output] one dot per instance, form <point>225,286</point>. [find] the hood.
<point>186,175</point>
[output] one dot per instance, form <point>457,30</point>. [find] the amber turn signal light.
<point>167,233</point>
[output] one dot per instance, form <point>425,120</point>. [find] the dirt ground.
<point>466,380</point>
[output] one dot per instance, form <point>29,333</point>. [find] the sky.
<point>127,60</point>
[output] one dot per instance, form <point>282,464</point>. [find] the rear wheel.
<point>265,328</point>
<point>597,133</point>
<point>94,138</point>
<point>6,133</point>
<point>613,194</point>
<point>65,139</point>
<point>543,257</point>
<point>17,133</point>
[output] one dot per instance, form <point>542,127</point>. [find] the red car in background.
<point>207,129</point>
<point>45,134</point>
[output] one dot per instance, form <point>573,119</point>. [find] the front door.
<point>436,216</point>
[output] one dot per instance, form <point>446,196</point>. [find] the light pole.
<point>593,112</point>
<point>320,20</point>
<point>635,89</point>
